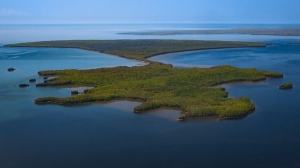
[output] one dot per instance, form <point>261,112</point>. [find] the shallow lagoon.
<point>111,135</point>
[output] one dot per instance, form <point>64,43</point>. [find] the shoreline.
<point>140,50</point>
<point>95,95</point>
<point>117,89</point>
<point>207,49</point>
<point>156,55</point>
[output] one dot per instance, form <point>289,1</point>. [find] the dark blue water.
<point>110,135</point>
<point>268,137</point>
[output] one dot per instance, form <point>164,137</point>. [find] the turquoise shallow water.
<point>110,135</point>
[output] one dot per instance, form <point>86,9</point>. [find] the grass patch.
<point>192,90</point>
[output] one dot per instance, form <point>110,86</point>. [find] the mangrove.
<point>193,91</point>
<point>286,86</point>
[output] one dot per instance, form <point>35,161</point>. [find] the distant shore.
<point>270,31</point>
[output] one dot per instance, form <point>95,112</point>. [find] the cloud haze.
<point>145,11</point>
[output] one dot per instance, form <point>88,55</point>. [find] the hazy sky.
<point>144,11</point>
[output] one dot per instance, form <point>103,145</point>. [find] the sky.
<point>149,11</point>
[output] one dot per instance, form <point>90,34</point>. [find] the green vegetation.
<point>273,31</point>
<point>191,90</point>
<point>139,49</point>
<point>286,86</point>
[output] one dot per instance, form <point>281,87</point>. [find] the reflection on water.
<point>129,105</point>
<point>170,114</point>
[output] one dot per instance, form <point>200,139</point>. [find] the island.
<point>193,91</point>
<point>32,80</point>
<point>286,86</point>
<point>11,69</point>
<point>23,85</point>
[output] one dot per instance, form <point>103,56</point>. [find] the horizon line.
<point>147,23</point>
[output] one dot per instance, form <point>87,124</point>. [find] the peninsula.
<point>139,49</point>
<point>193,91</point>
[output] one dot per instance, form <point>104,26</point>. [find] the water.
<point>111,135</point>
<point>28,61</point>
<point>25,33</point>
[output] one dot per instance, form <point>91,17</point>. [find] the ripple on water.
<point>11,53</point>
